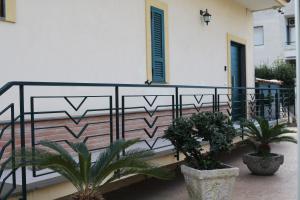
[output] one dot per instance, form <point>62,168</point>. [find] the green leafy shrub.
<point>186,134</point>
<point>279,70</point>
<point>216,128</point>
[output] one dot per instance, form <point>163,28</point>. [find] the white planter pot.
<point>210,184</point>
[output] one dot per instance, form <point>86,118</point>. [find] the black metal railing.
<point>99,114</point>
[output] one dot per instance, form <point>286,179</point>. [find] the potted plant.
<point>261,135</point>
<point>88,177</point>
<point>205,176</point>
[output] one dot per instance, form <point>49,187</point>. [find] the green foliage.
<point>265,72</point>
<point>216,128</point>
<point>186,135</point>
<point>260,137</point>
<point>87,176</point>
<point>279,70</point>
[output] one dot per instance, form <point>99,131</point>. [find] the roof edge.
<point>283,2</point>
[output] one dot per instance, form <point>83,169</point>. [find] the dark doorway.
<point>238,80</point>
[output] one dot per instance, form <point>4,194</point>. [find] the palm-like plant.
<point>262,136</point>
<point>87,176</point>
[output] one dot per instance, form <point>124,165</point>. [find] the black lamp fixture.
<point>206,16</point>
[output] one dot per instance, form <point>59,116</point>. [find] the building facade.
<point>167,43</point>
<point>274,35</point>
<point>109,41</point>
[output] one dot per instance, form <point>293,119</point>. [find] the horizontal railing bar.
<point>8,85</point>
<point>53,97</point>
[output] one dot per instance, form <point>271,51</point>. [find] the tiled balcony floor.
<point>282,186</point>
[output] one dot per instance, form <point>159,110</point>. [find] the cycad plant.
<point>87,176</point>
<point>264,134</point>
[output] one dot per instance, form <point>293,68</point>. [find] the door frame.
<point>243,42</point>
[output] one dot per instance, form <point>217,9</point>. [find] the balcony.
<point>290,51</point>
<point>255,5</point>
<point>99,114</point>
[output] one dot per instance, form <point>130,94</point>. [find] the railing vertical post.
<point>117,112</point>
<point>111,126</point>
<point>177,102</point>
<point>262,99</point>
<point>13,147</point>
<point>173,108</point>
<point>216,100</point>
<point>180,102</point>
<point>123,117</point>
<point>288,106</point>
<point>294,101</point>
<point>256,103</point>
<point>277,106</point>
<point>23,144</point>
<point>218,103</point>
<point>213,103</point>
<point>32,123</point>
<point>177,112</point>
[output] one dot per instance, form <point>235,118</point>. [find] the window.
<point>157,41</point>
<point>258,35</point>
<point>291,31</point>
<point>2,8</point>
<point>158,45</point>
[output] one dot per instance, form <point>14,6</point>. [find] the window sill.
<point>159,83</point>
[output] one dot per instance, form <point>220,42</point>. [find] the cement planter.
<point>264,166</point>
<point>210,184</point>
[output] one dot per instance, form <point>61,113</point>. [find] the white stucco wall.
<point>275,35</point>
<point>104,41</point>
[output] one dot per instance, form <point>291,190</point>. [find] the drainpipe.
<point>297,17</point>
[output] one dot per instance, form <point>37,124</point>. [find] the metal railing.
<point>104,113</point>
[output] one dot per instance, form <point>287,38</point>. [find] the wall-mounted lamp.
<point>206,16</point>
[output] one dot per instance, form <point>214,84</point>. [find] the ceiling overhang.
<point>256,5</point>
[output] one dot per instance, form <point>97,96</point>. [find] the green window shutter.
<point>158,45</point>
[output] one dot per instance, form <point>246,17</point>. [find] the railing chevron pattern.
<point>115,112</point>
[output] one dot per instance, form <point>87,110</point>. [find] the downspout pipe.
<point>297,17</point>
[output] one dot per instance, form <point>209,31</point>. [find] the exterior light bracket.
<point>206,16</point>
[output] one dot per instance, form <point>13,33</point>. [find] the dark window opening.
<point>292,62</point>
<point>291,31</point>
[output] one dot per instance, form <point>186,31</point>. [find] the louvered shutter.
<point>158,45</point>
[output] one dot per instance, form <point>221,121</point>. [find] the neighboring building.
<point>274,35</point>
<point>116,41</point>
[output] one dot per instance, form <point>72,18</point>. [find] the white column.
<point>297,15</point>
